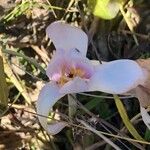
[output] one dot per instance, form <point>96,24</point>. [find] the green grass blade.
<point>30,60</point>
<point>3,87</point>
<point>15,81</point>
<point>125,118</point>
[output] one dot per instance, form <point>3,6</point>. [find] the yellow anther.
<point>73,73</point>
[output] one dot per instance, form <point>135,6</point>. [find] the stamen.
<point>80,73</point>
<point>74,72</point>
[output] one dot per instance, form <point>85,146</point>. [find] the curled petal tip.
<point>49,95</point>
<point>55,127</point>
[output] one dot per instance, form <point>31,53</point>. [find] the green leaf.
<point>92,103</point>
<point>105,9</point>
<point>3,87</point>
<point>147,135</point>
<point>125,119</point>
<point>104,110</point>
<point>100,106</point>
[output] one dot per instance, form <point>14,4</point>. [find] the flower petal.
<point>145,117</point>
<point>117,77</point>
<point>74,86</point>
<point>49,95</point>
<point>53,70</point>
<point>65,36</point>
<point>64,60</point>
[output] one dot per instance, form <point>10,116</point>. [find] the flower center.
<point>68,76</point>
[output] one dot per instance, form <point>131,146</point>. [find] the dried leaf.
<point>143,92</point>
<point>143,96</point>
<point>145,117</point>
<point>144,63</point>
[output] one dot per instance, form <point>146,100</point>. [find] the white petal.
<point>145,117</point>
<point>49,95</point>
<point>117,77</point>
<point>75,86</point>
<point>65,36</point>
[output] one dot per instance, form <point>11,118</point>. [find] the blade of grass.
<point>3,86</point>
<point>147,135</point>
<point>105,125</point>
<point>99,134</point>
<point>125,119</point>
<point>26,5</point>
<point>30,60</point>
<point>18,10</point>
<point>72,105</point>
<point>105,96</point>
<point>15,81</point>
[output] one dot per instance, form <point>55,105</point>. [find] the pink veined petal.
<point>53,70</point>
<point>48,96</point>
<point>74,86</point>
<point>75,59</point>
<point>145,117</point>
<point>67,37</point>
<point>117,77</point>
<point>64,60</point>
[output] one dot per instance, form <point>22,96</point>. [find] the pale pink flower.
<point>70,71</point>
